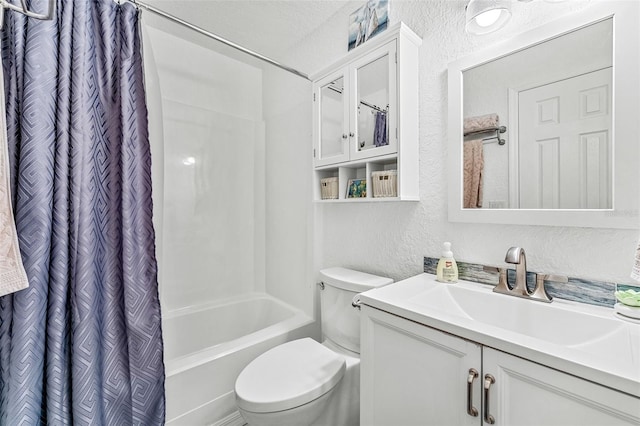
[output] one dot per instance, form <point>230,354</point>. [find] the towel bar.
<point>498,130</point>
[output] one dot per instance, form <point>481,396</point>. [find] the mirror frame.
<point>625,212</point>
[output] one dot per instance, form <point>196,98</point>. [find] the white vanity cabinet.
<point>365,115</point>
<point>412,374</point>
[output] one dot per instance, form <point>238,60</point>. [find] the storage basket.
<point>329,188</point>
<point>385,183</point>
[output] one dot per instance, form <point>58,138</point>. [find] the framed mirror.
<point>543,129</point>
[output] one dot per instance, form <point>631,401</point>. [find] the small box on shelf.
<point>385,183</point>
<point>357,188</point>
<point>329,188</point>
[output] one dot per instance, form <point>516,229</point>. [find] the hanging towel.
<point>12,274</point>
<point>635,272</point>
<point>380,131</point>
<point>481,122</point>
<point>473,166</point>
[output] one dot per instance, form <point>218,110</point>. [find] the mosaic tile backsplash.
<point>577,289</point>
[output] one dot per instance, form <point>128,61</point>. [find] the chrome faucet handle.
<point>502,286</point>
<point>553,277</point>
<point>540,292</point>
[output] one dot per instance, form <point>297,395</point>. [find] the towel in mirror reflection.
<point>473,166</point>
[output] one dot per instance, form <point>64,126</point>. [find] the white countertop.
<point>612,359</point>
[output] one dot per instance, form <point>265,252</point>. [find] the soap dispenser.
<point>447,270</point>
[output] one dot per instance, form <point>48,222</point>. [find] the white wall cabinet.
<point>349,103</point>
<point>412,374</point>
<point>365,115</point>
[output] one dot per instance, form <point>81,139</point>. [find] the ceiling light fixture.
<point>485,16</point>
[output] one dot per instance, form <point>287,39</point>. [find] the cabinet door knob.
<point>488,381</point>
<point>344,136</point>
<point>471,410</point>
<point>352,134</point>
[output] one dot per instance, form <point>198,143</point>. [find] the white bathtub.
<point>207,346</point>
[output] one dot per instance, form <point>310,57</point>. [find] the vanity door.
<point>415,375</point>
<point>525,393</point>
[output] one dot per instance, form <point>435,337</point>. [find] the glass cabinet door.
<point>332,139</point>
<point>373,115</point>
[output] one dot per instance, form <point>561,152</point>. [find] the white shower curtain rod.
<point>216,37</point>
<point>51,9</point>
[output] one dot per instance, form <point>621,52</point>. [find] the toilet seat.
<point>287,376</point>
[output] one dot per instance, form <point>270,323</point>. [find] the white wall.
<point>211,194</point>
<point>392,238</point>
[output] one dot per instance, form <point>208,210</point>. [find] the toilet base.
<point>306,414</point>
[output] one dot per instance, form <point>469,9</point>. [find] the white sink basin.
<point>539,320</point>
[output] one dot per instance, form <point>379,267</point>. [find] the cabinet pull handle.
<point>471,410</point>
<point>488,381</point>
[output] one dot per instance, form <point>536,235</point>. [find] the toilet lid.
<point>287,376</point>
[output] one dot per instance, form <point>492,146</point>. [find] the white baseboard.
<point>207,414</point>
<point>233,419</point>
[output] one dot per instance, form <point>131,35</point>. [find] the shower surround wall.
<point>212,244</point>
<point>392,238</point>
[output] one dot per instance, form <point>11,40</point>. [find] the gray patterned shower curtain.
<point>81,345</point>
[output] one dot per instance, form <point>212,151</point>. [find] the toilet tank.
<point>340,320</point>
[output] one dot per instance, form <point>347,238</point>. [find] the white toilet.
<point>303,382</point>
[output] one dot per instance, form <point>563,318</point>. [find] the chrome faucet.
<point>516,255</point>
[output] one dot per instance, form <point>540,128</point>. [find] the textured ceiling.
<point>268,27</point>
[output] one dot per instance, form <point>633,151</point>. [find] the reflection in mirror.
<point>555,101</point>
<point>332,107</point>
<point>373,104</point>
